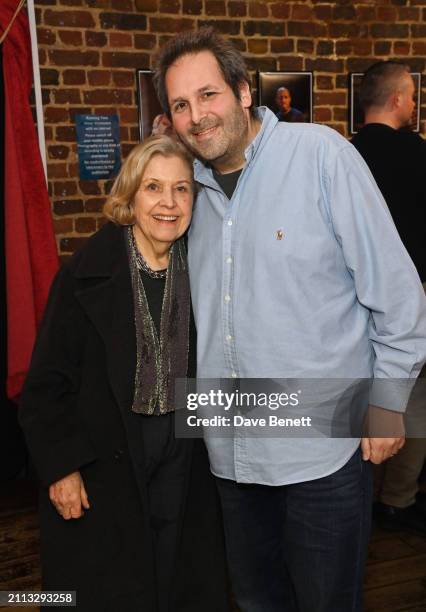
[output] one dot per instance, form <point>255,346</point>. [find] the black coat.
<point>75,412</point>
<point>397,160</point>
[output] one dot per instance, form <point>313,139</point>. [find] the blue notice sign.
<point>98,144</point>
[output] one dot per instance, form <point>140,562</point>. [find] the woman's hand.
<point>69,496</point>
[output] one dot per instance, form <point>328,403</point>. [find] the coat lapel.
<point>107,299</point>
<point>106,296</point>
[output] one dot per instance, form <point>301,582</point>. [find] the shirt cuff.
<point>391,393</point>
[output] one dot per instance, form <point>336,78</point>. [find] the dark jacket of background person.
<point>293,116</point>
<point>76,415</point>
<point>397,160</point>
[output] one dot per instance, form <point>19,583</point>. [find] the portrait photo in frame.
<point>287,94</point>
<point>356,114</point>
<point>149,106</point>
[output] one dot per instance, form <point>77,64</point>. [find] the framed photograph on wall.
<point>287,94</point>
<point>149,106</point>
<point>356,114</point>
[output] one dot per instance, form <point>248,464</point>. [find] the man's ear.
<point>395,99</point>
<point>245,94</point>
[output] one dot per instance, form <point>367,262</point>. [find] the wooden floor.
<point>395,580</point>
<point>19,539</point>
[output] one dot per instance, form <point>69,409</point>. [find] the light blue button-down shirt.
<point>301,274</point>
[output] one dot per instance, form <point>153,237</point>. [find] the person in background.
<point>289,280</point>
<point>285,111</point>
<point>396,157</point>
<point>128,513</point>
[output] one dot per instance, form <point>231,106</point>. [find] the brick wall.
<point>89,50</point>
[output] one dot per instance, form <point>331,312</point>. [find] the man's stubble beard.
<point>227,145</point>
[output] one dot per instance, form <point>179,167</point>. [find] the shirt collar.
<point>203,173</point>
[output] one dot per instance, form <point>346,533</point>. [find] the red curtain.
<point>31,255</point>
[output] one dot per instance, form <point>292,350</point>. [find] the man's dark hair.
<point>379,82</point>
<point>229,59</point>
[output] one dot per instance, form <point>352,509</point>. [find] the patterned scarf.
<point>160,360</point>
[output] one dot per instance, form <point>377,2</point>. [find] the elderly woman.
<point>129,515</point>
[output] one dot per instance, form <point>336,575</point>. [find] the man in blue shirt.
<point>289,279</point>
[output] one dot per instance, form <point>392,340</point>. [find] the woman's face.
<point>163,202</point>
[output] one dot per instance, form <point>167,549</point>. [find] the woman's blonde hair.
<point>119,205</point>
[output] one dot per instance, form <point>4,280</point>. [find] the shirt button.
<point>230,222</point>
<point>229,260</point>
<point>229,337</point>
<point>234,375</point>
<point>227,298</point>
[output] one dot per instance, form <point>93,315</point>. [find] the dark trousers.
<point>300,547</point>
<point>166,468</point>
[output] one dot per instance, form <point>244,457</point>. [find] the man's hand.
<point>380,422</point>
<point>378,450</point>
<point>69,496</point>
